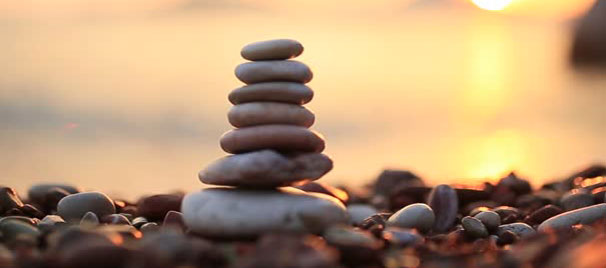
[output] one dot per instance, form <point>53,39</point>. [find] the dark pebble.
<point>542,214</point>
<point>445,204</point>
<point>115,219</point>
<point>9,200</point>
<point>155,207</point>
<point>392,180</point>
<point>323,188</point>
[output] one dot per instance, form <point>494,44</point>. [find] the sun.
<point>494,5</point>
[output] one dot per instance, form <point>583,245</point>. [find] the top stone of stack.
<point>279,49</point>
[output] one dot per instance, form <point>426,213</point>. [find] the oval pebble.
<point>474,227</point>
<point>265,168</point>
<point>266,71</point>
<point>586,215</point>
<point>287,92</point>
<point>73,207</point>
<point>490,219</point>
<point>419,216</point>
<point>277,49</point>
<point>576,199</point>
<point>238,212</point>
<point>277,137</point>
<point>265,113</point>
<point>445,204</point>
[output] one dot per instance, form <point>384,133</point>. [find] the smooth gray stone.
<point>277,49</point>
<point>419,216</point>
<point>73,207</point>
<point>586,215</point>
<point>287,92</point>
<point>267,71</point>
<point>474,227</point>
<point>89,219</point>
<point>265,168</point>
<point>490,219</point>
<point>267,113</point>
<point>228,212</point>
<point>284,138</point>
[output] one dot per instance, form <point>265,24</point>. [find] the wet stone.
<point>444,202</point>
<point>474,227</point>
<point>73,207</point>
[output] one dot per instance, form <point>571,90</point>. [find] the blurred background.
<point>130,97</point>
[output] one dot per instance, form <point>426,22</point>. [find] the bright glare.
<point>492,4</point>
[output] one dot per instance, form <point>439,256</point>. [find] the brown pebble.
<point>155,207</point>
<point>542,214</point>
<point>277,137</point>
<point>286,92</point>
<point>9,199</point>
<point>268,71</point>
<point>276,49</point>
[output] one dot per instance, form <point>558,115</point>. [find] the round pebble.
<point>277,49</point>
<point>586,215</point>
<point>445,204</point>
<point>287,92</point>
<point>89,219</point>
<point>265,168</point>
<point>73,207</point>
<point>542,214</point>
<point>419,216</point>
<point>474,227</point>
<point>11,229</point>
<point>228,212</point>
<point>490,219</point>
<point>277,137</point>
<point>38,193</point>
<point>266,71</point>
<point>266,113</point>
<point>519,228</point>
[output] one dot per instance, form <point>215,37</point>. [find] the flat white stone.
<point>267,71</point>
<point>277,49</point>
<point>234,213</point>
<point>265,113</point>
<point>288,92</point>
<point>284,138</point>
<point>265,168</point>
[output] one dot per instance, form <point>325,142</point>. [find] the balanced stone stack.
<point>272,148</point>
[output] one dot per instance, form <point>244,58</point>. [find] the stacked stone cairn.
<point>272,148</point>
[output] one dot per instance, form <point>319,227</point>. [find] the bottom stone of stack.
<point>266,169</point>
<point>239,213</point>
